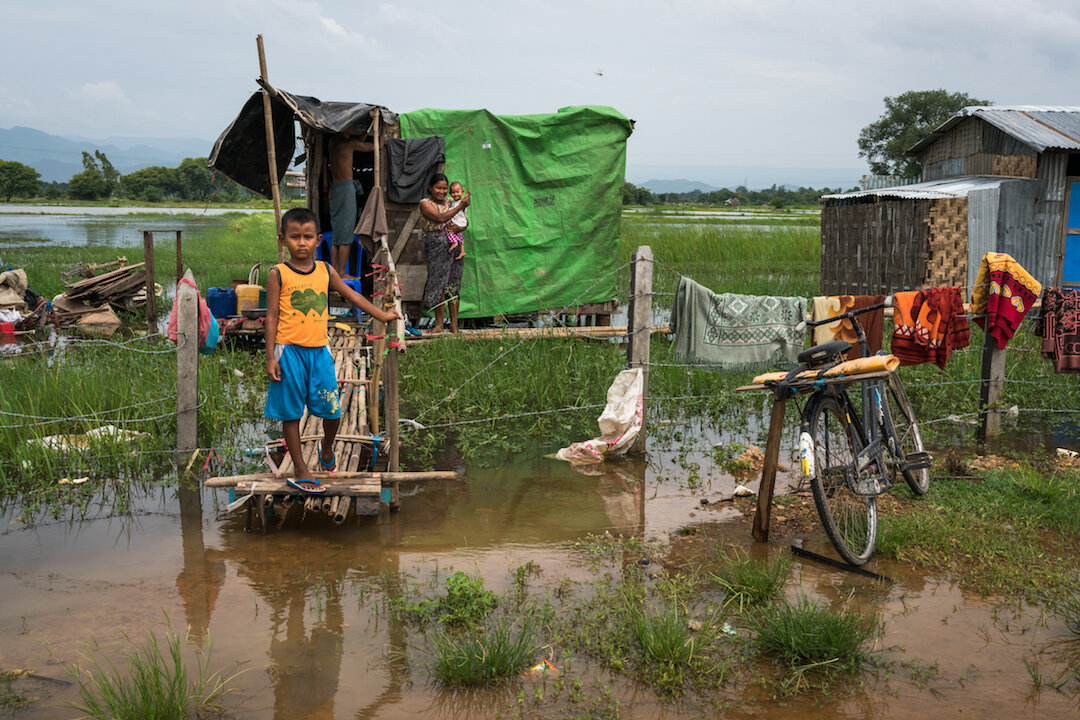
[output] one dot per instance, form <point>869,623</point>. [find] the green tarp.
<point>546,192</point>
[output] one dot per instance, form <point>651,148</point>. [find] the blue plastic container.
<point>221,301</point>
<point>356,253</point>
<point>355,285</point>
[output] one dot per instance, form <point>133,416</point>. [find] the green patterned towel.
<point>727,331</point>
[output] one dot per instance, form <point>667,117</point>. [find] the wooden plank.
<point>403,236</point>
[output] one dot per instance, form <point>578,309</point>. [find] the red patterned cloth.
<point>928,325</point>
<point>1059,327</point>
<point>1004,292</point>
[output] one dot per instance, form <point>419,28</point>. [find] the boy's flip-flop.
<point>328,466</point>
<point>306,486</point>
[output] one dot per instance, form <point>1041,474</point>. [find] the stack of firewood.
<point>121,288</point>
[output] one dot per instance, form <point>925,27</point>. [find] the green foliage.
<point>775,196</point>
<point>91,183</point>
<point>749,582</point>
<point>478,656</point>
<point>670,652</point>
<point>1065,604</point>
<point>466,601</point>
<point>18,180</point>
<point>1013,533</point>
<point>908,118</point>
<point>806,635</point>
<point>155,684</point>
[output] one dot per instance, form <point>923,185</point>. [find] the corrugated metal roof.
<point>933,190</point>
<point>1041,127</point>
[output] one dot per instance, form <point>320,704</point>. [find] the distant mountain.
<point>676,186</point>
<point>712,177</point>
<point>58,158</point>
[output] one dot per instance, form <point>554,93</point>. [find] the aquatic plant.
<point>483,656</point>
<point>806,635</point>
<point>671,653</point>
<point>749,582</point>
<point>155,683</point>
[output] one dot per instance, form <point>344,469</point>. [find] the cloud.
<point>105,91</point>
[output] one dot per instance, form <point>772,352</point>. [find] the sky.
<point>756,84</point>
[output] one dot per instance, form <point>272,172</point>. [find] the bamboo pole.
<point>271,151</point>
<point>268,483</point>
<point>377,130</point>
<point>341,513</point>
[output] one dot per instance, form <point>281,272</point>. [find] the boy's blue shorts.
<point>307,378</point>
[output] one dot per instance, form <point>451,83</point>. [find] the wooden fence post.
<point>187,369</point>
<point>639,325</point>
<point>148,268</point>
<point>992,380</point>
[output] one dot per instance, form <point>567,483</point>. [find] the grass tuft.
<point>749,582</point>
<point>154,685</point>
<point>806,635</point>
<point>478,656</point>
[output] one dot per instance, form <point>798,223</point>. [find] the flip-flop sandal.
<point>328,466</point>
<point>306,486</point>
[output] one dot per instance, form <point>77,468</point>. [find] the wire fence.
<point>1025,371</point>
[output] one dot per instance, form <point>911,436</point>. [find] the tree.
<point>90,184</point>
<point>18,179</point>
<point>111,174</point>
<point>908,118</point>
<point>152,183</point>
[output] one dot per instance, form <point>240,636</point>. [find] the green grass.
<point>1013,533</point>
<point>813,641</point>
<point>671,654</point>
<point>73,390</point>
<point>483,656</point>
<point>749,582</point>
<point>155,683</point>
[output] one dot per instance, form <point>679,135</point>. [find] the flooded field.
<point>102,226</point>
<point>303,610</point>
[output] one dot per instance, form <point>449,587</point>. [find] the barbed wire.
<point>94,416</point>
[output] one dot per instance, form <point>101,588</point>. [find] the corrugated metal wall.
<point>875,246</point>
<point>1021,218</point>
<point>982,228</point>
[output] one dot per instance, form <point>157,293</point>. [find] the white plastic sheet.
<point>620,422</point>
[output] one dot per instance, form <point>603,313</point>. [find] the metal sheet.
<point>982,227</point>
<point>1038,126</point>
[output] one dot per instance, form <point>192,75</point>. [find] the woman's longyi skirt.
<point>443,271</point>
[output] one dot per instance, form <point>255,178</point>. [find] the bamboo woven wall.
<point>874,245</point>
<point>947,244</point>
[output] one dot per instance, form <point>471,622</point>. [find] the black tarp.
<point>240,152</point>
<point>411,163</point>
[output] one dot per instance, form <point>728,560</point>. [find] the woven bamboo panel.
<point>873,246</point>
<point>1016,166</point>
<point>946,262</point>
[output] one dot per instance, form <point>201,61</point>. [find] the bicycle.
<point>853,454</point>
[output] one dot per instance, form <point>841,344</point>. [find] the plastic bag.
<point>619,424</point>
<point>207,338</point>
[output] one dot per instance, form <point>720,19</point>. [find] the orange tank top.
<point>302,306</point>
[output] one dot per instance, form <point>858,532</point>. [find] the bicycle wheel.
<point>900,421</point>
<point>850,520</point>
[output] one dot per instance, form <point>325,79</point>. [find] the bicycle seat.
<point>819,354</point>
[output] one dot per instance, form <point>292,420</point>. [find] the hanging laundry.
<point>727,331</point>
<point>1004,292</point>
<point>929,325</point>
<point>1059,327</point>
<point>872,322</point>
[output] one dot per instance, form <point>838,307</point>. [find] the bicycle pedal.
<point>918,460</point>
<point>871,487</point>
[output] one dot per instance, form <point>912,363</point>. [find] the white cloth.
<point>619,424</point>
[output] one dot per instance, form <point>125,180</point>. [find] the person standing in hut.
<point>344,190</point>
<point>444,269</point>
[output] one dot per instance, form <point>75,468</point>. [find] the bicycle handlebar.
<point>850,314</point>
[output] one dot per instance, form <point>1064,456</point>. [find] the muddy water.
<point>301,608</point>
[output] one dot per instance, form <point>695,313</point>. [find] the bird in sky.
<point>599,72</point>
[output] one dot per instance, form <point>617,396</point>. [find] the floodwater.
<point>300,609</point>
<point>71,226</point>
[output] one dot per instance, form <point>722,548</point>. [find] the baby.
<point>455,229</point>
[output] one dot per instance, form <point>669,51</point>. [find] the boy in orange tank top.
<point>298,359</point>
